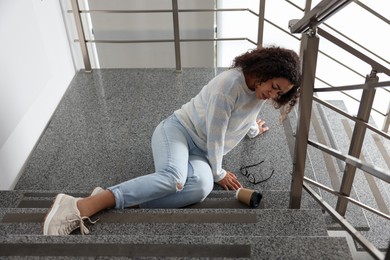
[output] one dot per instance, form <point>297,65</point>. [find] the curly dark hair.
<point>273,62</point>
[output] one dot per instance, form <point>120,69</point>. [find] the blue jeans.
<point>182,172</point>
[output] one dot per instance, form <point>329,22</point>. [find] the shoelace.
<point>78,221</point>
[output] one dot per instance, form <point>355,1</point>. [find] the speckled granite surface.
<point>196,222</point>
<point>100,134</point>
<point>217,199</point>
<point>196,246</point>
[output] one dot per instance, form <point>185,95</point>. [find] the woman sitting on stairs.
<point>189,145</point>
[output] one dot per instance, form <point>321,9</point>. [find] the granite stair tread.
<point>174,247</point>
<point>216,199</point>
<point>226,222</point>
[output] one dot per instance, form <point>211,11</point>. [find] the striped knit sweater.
<point>220,116</point>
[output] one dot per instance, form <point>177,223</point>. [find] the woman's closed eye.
<point>278,90</point>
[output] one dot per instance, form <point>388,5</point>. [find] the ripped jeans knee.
<point>179,187</point>
<point>176,176</point>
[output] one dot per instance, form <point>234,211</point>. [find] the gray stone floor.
<point>100,133</point>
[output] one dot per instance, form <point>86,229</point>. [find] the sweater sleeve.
<point>218,113</point>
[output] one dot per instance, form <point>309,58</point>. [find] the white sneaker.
<point>97,190</point>
<point>64,217</point>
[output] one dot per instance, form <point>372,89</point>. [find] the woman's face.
<point>272,88</point>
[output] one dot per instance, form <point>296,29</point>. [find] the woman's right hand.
<point>230,181</point>
<point>262,128</point>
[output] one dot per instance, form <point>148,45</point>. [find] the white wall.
<point>36,68</point>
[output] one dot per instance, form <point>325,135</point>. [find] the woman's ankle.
<point>83,208</point>
<point>91,205</point>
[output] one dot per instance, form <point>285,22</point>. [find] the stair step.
<point>176,247</point>
<point>217,199</point>
<point>202,222</point>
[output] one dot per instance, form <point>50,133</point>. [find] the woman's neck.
<point>250,81</point>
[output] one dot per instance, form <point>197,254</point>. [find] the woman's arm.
<point>217,118</point>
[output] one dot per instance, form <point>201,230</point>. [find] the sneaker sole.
<point>53,210</point>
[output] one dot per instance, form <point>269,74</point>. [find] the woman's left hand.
<point>230,182</point>
<point>260,124</point>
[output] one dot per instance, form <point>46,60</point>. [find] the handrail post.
<point>357,139</point>
<point>309,52</point>
<point>386,122</point>
<point>307,6</point>
<point>260,29</point>
<point>176,34</point>
<point>81,35</point>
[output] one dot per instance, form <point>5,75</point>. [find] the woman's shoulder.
<point>231,73</point>
<point>228,79</point>
<point>225,86</point>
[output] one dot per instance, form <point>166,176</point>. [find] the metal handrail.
<point>358,137</point>
<point>375,65</point>
<point>83,41</point>
<point>346,94</point>
<point>295,5</point>
<point>386,115</point>
<point>356,43</point>
<point>318,15</point>
<point>376,14</point>
<point>342,64</point>
<point>168,10</point>
<point>309,49</point>
<point>181,40</point>
<point>81,35</point>
<point>341,112</point>
<point>336,193</point>
<point>357,163</point>
<point>170,40</point>
<point>353,87</point>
